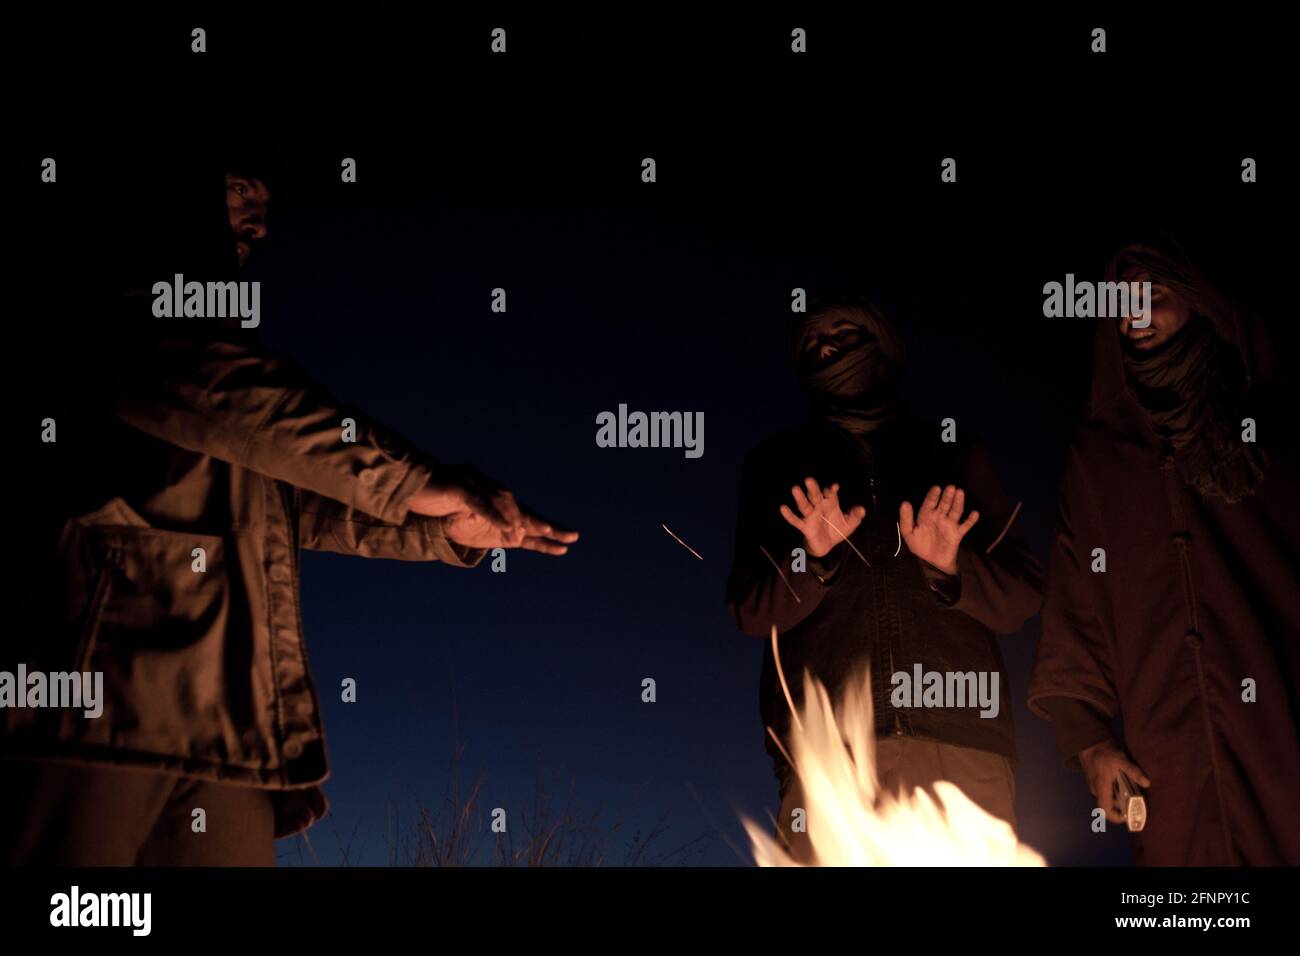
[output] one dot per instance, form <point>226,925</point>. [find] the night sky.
<point>674,297</point>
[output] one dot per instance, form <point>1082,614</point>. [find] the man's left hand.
<point>935,532</point>
<point>474,530</point>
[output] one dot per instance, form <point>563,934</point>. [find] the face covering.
<point>857,389</point>
<point>1172,384</point>
<point>1193,391</point>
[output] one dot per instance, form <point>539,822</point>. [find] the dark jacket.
<point>887,615</point>
<point>1198,596</point>
<point>214,444</point>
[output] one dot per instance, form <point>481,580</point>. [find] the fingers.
<point>854,518</point>
<point>511,537</point>
<point>905,520</point>
<point>535,525</point>
<point>1135,773</point>
<point>948,502</point>
<point>1114,812</point>
<point>969,522</point>
<point>1103,788</point>
<point>832,503</point>
<point>543,545</point>
<point>814,501</point>
<point>958,504</point>
<point>511,525</point>
<point>496,538</point>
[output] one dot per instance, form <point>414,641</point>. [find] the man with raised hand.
<point>832,554</point>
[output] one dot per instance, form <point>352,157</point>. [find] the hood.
<point>858,389</point>
<point>1170,265</point>
<point>859,311</point>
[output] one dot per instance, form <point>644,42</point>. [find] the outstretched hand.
<point>475,530</point>
<point>820,519</point>
<point>480,513</point>
<point>934,533</point>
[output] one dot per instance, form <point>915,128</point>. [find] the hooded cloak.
<point>1176,611</point>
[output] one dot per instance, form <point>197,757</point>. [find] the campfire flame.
<point>851,822</point>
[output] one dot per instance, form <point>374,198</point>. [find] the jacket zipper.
<point>875,511</point>
<point>872,487</point>
<point>898,721</point>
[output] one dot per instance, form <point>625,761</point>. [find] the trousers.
<point>68,814</point>
<point>904,764</point>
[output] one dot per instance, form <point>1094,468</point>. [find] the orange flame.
<point>852,822</point>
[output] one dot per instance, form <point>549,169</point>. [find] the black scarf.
<point>855,392</point>
<point>1191,392</point>
<point>858,391</point>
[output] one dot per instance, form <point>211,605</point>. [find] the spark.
<point>847,541</point>
<point>898,529</point>
<point>797,599</point>
<point>785,688</point>
<point>784,753</point>
<point>1005,528</point>
<point>680,541</point>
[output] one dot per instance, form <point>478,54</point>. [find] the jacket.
<point>879,610</point>
<point>182,486</point>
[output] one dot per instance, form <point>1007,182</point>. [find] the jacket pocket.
<point>156,611</point>
<point>84,568</point>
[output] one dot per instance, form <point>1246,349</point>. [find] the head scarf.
<point>858,389</point>
<point>1193,389</point>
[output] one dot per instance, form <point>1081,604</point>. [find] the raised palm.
<point>819,517</point>
<point>935,532</point>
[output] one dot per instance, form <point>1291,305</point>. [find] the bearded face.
<point>246,204</point>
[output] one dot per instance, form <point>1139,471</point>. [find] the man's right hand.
<point>482,514</point>
<point>1102,764</point>
<point>820,519</point>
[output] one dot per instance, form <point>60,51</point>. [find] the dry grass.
<point>458,832</point>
